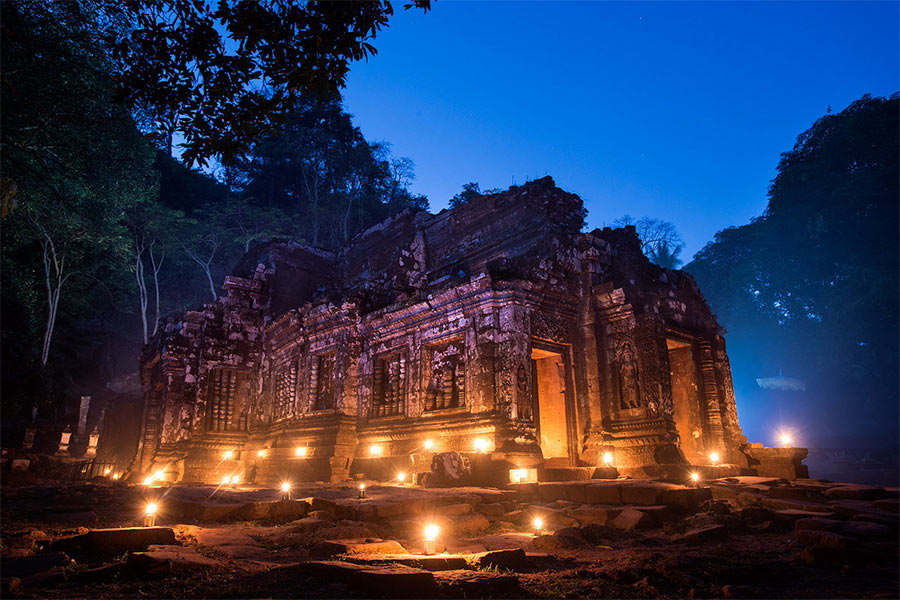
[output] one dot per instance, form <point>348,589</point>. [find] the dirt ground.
<point>751,538</point>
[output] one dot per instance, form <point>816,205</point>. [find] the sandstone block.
<point>330,548</point>
<point>856,492</point>
<point>492,510</point>
<point>478,584</point>
<point>509,560</point>
<point>866,530</point>
<point>888,504</point>
<point>118,539</point>
<point>169,560</point>
<point>590,515</point>
<point>824,539</point>
<point>29,565</point>
<point>469,524</point>
<point>706,535</point>
<point>646,495</point>
<point>817,524</point>
<point>631,519</point>
<point>599,493</point>
<point>455,510</point>
<point>392,581</point>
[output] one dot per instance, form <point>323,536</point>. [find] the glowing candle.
<point>235,479</point>
<point>518,475</point>
<point>538,524</point>
<point>607,459</point>
<point>695,477</point>
<point>431,535</point>
<point>429,444</point>
<point>226,480</point>
<point>159,475</point>
<point>260,454</point>
<point>785,440</point>
<point>481,445</point>
<point>148,481</point>
<point>228,454</point>
<point>362,491</point>
<point>714,458</point>
<point>106,471</point>
<point>375,450</point>
<point>150,514</point>
<point>115,475</point>
<point>285,490</point>
<point>401,477</point>
<point>301,451</point>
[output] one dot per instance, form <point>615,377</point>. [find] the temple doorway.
<point>686,397</point>
<point>551,389</point>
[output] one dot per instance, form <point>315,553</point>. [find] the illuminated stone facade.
<point>496,323</point>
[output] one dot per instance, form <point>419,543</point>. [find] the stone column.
<point>715,436</point>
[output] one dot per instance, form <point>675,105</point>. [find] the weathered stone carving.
<point>428,328</point>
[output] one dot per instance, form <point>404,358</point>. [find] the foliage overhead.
<point>660,241</point>
<point>225,74</point>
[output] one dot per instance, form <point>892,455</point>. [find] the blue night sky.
<point>672,110</point>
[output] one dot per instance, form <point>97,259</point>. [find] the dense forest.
<point>137,169</point>
<point>104,231</point>
<point>809,289</point>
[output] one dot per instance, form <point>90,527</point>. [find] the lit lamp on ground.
<point>429,444</point>
<point>785,440</point>
<point>106,471</point>
<point>607,459</point>
<point>401,477</point>
<point>538,524</point>
<point>375,450</point>
<point>260,454</point>
<point>148,481</point>
<point>150,515</point>
<point>714,459</point>
<point>159,476</point>
<point>116,476</point>
<point>481,445</point>
<point>235,479</point>
<point>695,478</point>
<point>362,491</point>
<point>431,535</point>
<point>518,475</point>
<point>301,451</point>
<point>285,491</point>
<point>226,480</point>
<point>228,455</point>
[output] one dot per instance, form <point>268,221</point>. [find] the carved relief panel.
<point>285,386</point>
<point>227,391</point>
<point>445,376</point>
<point>389,386</point>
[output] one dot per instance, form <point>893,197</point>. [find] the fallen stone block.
<point>857,492</point>
<point>705,535</point>
<point>887,504</point>
<point>642,495</point>
<point>469,524</point>
<point>824,539</point>
<point>790,516</point>
<point>29,565</point>
<point>454,510</point>
<point>493,510</point>
<point>117,539</point>
<point>568,538</point>
<point>477,584</point>
<point>51,576</point>
<point>590,515</point>
<point>507,560</point>
<point>330,548</point>
<point>392,581</point>
<point>631,519</point>
<point>167,560</point>
<point>866,530</point>
<point>418,561</point>
<point>756,514</point>
<point>817,524</point>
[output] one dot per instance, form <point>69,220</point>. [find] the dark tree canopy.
<point>224,74</point>
<point>812,284</point>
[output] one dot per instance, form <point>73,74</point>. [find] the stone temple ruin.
<point>497,329</point>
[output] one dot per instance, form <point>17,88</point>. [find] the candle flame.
<point>431,532</point>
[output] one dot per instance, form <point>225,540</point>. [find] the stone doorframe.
<point>572,436</point>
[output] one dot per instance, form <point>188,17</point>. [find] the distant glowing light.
<point>429,444</point>
<point>518,475</point>
<point>285,487</point>
<point>226,480</point>
<point>115,475</point>
<point>431,532</point>
<point>150,514</point>
<point>481,445</point>
<point>301,451</point>
<point>538,523</point>
<point>362,490</point>
<point>106,471</point>
<point>260,454</point>
<point>148,481</point>
<point>401,477</point>
<point>151,508</point>
<point>785,440</point>
<point>431,535</point>
<point>159,475</point>
<point>607,459</point>
<point>695,476</point>
<point>714,458</point>
<point>235,479</point>
<point>375,450</point>
<point>228,454</point>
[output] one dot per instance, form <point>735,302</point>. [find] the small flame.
<point>260,453</point>
<point>429,444</point>
<point>285,487</point>
<point>608,459</point>
<point>375,450</point>
<point>695,476</point>
<point>151,508</point>
<point>401,477</point>
<point>431,532</point>
<point>301,451</point>
<point>228,454</point>
<point>538,523</point>
<point>714,458</point>
<point>481,445</point>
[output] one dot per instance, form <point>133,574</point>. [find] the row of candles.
<point>480,445</point>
